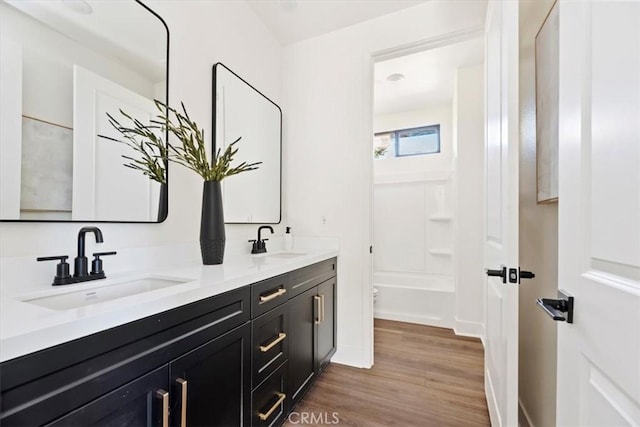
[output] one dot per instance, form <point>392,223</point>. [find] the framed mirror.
<point>65,65</point>
<point>241,111</point>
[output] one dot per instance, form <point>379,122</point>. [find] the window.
<point>407,142</point>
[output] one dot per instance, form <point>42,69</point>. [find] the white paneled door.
<point>599,213</point>
<point>501,212</point>
<point>103,189</point>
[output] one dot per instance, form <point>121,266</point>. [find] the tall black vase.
<point>212,237</point>
<point>163,202</point>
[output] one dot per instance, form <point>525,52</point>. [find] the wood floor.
<point>422,376</point>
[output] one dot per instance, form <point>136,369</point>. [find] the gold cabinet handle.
<point>318,306</point>
<point>281,397</point>
<point>165,406</point>
<point>322,308</point>
<point>276,294</point>
<point>265,348</point>
<point>183,410</point>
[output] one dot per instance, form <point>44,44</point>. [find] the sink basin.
<point>101,294</point>
<point>284,255</point>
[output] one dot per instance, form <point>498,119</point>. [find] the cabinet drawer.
<point>268,294</point>
<point>270,342</point>
<point>270,400</point>
<point>138,403</point>
<point>308,277</point>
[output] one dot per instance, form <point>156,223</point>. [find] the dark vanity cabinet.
<point>210,384</point>
<point>312,331</point>
<point>241,358</point>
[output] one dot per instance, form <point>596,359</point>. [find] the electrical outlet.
<point>323,220</point>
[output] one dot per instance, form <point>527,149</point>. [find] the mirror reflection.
<point>64,66</point>
<point>241,111</point>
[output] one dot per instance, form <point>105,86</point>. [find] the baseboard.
<point>524,420</point>
<point>349,355</point>
<point>468,329</point>
<point>414,318</point>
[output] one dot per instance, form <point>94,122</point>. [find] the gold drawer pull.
<point>276,294</point>
<point>318,308</point>
<point>183,410</point>
<point>165,406</point>
<point>281,397</point>
<point>265,348</point>
<point>322,305</point>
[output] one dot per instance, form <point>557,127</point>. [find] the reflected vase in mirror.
<point>212,235</point>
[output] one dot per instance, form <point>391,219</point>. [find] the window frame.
<point>396,139</point>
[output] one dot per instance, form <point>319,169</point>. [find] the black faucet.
<point>81,273</point>
<point>259,247</point>
<point>81,263</point>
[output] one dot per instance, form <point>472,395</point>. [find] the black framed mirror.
<point>242,111</point>
<point>65,65</point>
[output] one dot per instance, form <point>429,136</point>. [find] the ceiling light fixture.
<point>395,77</point>
<point>78,6</point>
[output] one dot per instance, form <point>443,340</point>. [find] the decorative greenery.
<point>153,151</point>
<point>380,151</point>
<point>191,153</point>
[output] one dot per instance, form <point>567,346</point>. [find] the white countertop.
<point>26,327</point>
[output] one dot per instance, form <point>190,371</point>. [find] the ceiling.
<point>294,20</point>
<point>429,77</point>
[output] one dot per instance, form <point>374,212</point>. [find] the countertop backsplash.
<point>20,275</point>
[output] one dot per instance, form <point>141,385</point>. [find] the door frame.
<point>368,63</point>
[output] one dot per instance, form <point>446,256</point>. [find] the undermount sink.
<point>284,255</point>
<point>101,294</point>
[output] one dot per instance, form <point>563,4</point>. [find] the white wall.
<point>413,225</point>
<point>469,136</point>
<point>328,124</point>
<point>201,33</point>
<point>48,59</point>
<point>538,245</point>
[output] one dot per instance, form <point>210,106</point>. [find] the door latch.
<point>498,273</point>
<point>556,308</point>
<point>515,275</point>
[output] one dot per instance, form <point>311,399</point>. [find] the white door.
<point>103,189</point>
<point>501,211</point>
<point>599,213</point>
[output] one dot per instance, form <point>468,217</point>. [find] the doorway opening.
<point>427,155</point>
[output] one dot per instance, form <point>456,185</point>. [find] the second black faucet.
<point>259,246</point>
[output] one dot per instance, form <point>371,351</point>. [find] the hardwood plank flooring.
<point>422,376</point>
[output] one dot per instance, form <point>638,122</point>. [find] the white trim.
<point>440,322</point>
<point>465,328</point>
<point>350,355</point>
<point>430,43</point>
<point>524,420</point>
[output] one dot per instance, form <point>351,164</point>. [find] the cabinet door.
<point>326,334</point>
<point>211,385</point>
<point>302,364</point>
<point>136,404</point>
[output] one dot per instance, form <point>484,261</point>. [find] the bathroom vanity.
<point>231,351</point>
